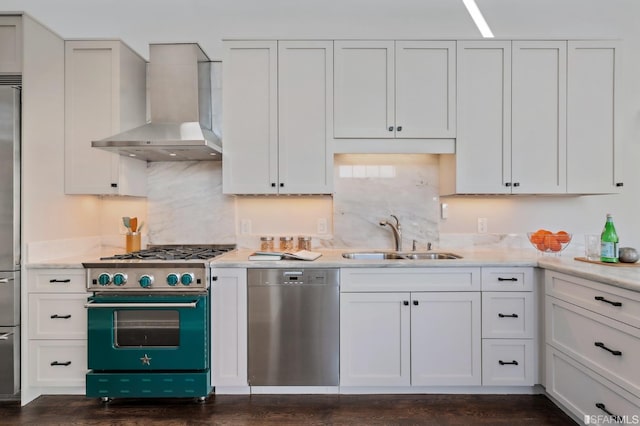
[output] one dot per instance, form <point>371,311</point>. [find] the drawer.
<point>57,280</point>
<point>508,362</point>
<point>594,340</point>
<point>585,393</point>
<point>616,303</point>
<point>507,315</point>
<point>57,363</point>
<point>409,279</point>
<point>57,316</point>
<point>507,279</point>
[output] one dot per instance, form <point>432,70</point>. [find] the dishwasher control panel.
<point>283,276</point>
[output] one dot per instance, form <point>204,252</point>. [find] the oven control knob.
<point>173,279</point>
<point>186,279</point>
<point>146,281</point>
<point>104,279</point>
<point>119,279</point>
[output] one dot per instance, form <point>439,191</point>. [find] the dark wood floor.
<point>291,410</point>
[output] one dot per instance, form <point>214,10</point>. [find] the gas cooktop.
<point>175,252</point>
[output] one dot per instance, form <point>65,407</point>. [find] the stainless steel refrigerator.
<point>9,238</point>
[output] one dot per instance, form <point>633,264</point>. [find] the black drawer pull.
<point>405,302</point>
<point>56,316</point>
<point>613,352</point>
<point>63,364</point>
<point>603,407</point>
<point>508,315</point>
<point>507,279</point>
<point>514,362</point>
<point>55,280</point>
<point>602,299</point>
<point>391,128</point>
<point>415,303</point>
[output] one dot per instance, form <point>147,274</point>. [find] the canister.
<point>286,243</point>
<point>304,243</point>
<point>266,244</point>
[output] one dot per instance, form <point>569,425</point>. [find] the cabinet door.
<point>305,105</point>
<point>374,339</point>
<point>95,71</point>
<point>538,132</point>
<point>229,327</point>
<point>364,89</point>
<point>594,157</point>
<point>483,144</point>
<point>425,85</point>
<point>11,44</point>
<point>445,339</point>
<point>250,120</point>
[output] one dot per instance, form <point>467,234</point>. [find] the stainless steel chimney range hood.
<point>181,126</point>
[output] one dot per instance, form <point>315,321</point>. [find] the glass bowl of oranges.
<point>546,241</point>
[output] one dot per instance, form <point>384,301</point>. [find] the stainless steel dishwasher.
<point>294,334</point>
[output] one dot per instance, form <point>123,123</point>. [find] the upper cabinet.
<point>534,117</point>
<point>10,44</point>
<point>105,93</point>
<point>594,155</point>
<point>401,89</point>
<point>277,103</point>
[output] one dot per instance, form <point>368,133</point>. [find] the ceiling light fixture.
<point>477,17</point>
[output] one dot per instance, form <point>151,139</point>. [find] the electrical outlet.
<point>482,225</point>
<point>322,226</point>
<point>245,226</point>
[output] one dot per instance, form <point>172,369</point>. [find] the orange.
<point>563,236</point>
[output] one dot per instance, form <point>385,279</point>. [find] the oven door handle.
<point>92,305</point>
<point>5,336</point>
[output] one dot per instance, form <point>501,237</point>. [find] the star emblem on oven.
<point>146,360</point>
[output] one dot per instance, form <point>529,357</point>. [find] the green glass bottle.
<point>609,242</point>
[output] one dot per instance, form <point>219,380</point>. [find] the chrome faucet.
<point>397,231</point>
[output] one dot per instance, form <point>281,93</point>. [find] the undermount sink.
<point>386,255</point>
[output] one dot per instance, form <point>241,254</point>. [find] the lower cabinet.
<point>592,347</point>
<point>413,338</point>
<point>56,355</point>
<point>229,328</point>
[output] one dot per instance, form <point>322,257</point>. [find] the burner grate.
<point>180,252</point>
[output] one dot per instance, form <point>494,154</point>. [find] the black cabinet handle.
<point>391,128</point>
<point>508,315</point>
<point>56,316</point>
<point>281,185</point>
<point>399,128</point>
<point>507,279</point>
<point>55,280</point>
<point>416,303</point>
<point>602,299</point>
<point>507,184</point>
<point>273,184</point>
<point>613,352</point>
<point>514,362</point>
<point>405,302</point>
<point>64,364</point>
<point>516,183</point>
<point>114,185</point>
<point>603,407</point>
<point>619,184</point>
<point>214,278</point>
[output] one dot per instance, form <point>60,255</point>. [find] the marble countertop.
<point>621,276</point>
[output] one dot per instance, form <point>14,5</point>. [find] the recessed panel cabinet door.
<point>483,145</point>
<point>594,157</point>
<point>305,105</point>
<point>445,339</point>
<point>11,44</point>
<point>374,339</point>
<point>364,89</point>
<point>250,119</point>
<point>538,126</point>
<point>425,89</point>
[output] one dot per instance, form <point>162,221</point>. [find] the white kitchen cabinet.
<point>594,152</point>
<point>10,44</point>
<point>592,342</point>
<point>511,119</point>
<point>229,330</point>
<point>105,93</point>
<point>401,89</point>
<point>278,103</point>
<point>56,330</point>
<point>391,337</point>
